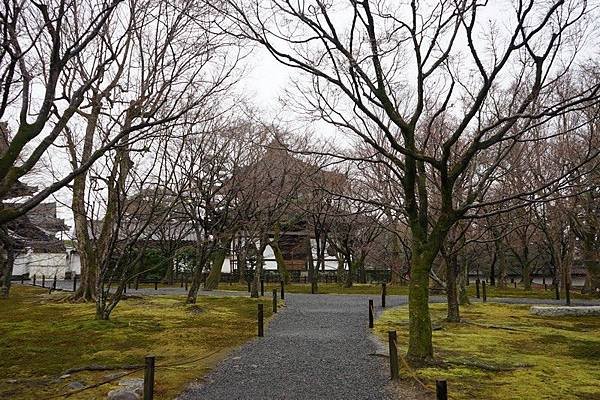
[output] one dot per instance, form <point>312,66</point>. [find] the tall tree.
<point>384,71</point>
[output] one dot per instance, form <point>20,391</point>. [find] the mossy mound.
<point>502,352</point>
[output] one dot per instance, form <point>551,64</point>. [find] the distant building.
<point>40,252</point>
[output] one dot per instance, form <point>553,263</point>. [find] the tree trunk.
<point>591,260</point>
<point>254,289</point>
<point>527,269</point>
<point>362,270</point>
<point>7,261</point>
<point>312,271</point>
<point>88,254</point>
<point>463,296</point>
<point>493,269</point>
<point>351,269</point>
<point>241,262</point>
<point>451,288</point>
<point>502,272</point>
<point>218,259</point>
<point>396,265</point>
<point>198,267</point>
<point>420,345</point>
<point>341,270</point>
<point>281,267</point>
<point>87,283</point>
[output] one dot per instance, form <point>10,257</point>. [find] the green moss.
<point>40,338</point>
<point>503,352</point>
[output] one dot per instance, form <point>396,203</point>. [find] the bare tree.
<point>168,69</point>
<point>384,72</point>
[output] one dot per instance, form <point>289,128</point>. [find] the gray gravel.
<point>318,347</point>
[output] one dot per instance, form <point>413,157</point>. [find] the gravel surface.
<point>318,347</point>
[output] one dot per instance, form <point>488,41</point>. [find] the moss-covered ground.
<point>503,352</point>
<point>41,337</point>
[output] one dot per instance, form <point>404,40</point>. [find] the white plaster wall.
<point>48,264</point>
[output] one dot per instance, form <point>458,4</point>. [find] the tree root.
<point>96,367</point>
<point>488,326</point>
<point>487,367</point>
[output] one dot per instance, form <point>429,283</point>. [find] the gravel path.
<point>318,347</point>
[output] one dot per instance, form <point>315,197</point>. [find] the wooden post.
<point>262,287</point>
<point>557,290</point>
<point>74,283</point>
<point>149,378</point>
<point>43,280</point>
<point>181,280</point>
<point>34,278</point>
<point>282,290</point>
<point>54,283</point>
<point>248,283</point>
<point>125,288</point>
<point>137,282</point>
<point>484,291</point>
<point>370,313</point>
<point>515,284</point>
<point>383,293</point>
<point>156,284</point>
<point>477,283</point>
<point>274,300</point>
<point>393,355</point>
<point>441,390</point>
<point>22,279</point>
<point>186,283</point>
<point>261,328</point>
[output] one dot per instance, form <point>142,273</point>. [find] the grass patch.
<point>41,338</point>
<point>503,352</point>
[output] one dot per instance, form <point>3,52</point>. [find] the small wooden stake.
<point>54,282</point>
<point>282,290</point>
<point>484,291</point>
<point>274,300</point>
<point>370,313</point>
<point>74,283</point>
<point>395,373</point>
<point>156,284</point>
<point>477,283</point>
<point>262,288</point>
<point>43,280</point>
<point>383,293</point>
<point>34,278</point>
<point>441,390</point>
<point>261,328</point>
<point>149,378</point>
